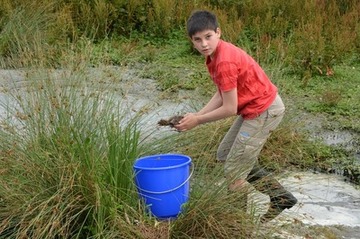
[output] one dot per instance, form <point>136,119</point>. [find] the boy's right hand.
<point>189,121</point>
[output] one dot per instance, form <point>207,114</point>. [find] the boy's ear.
<point>218,32</point>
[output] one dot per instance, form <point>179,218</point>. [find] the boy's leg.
<point>228,140</point>
<point>280,198</point>
<point>246,149</point>
<point>250,140</point>
<point>222,154</point>
<point>239,149</point>
<point>263,181</point>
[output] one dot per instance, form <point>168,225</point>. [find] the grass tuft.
<point>67,161</point>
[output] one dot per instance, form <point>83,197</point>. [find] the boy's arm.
<point>214,103</point>
<point>227,108</point>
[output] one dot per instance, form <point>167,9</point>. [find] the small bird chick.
<point>172,121</point>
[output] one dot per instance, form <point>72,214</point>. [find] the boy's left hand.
<point>189,121</point>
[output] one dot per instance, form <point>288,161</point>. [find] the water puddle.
<point>325,200</point>
<point>322,200</point>
<point>345,139</point>
<point>135,94</point>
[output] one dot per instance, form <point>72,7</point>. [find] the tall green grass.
<point>67,159</point>
<point>309,36</point>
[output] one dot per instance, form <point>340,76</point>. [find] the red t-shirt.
<point>230,68</point>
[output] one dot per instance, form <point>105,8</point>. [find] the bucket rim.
<point>188,161</point>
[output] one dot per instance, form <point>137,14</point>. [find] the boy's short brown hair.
<point>201,20</point>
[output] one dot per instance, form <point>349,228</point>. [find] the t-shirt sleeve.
<point>226,76</point>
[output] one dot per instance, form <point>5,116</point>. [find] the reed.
<point>67,160</point>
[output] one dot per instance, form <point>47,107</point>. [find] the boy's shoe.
<point>277,205</point>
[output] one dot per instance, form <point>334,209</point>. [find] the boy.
<point>243,89</point>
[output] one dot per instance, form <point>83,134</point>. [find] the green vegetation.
<point>310,37</point>
<point>68,145</point>
<point>61,157</point>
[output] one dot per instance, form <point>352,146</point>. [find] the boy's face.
<point>206,41</point>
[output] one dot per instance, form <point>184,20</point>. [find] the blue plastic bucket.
<point>163,183</point>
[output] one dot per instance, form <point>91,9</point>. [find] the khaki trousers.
<point>243,142</point>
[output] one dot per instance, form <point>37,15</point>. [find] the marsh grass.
<point>310,37</point>
<point>67,161</point>
<point>27,35</point>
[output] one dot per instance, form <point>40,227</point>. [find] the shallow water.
<point>323,200</point>
<point>345,139</point>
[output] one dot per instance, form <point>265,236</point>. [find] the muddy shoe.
<point>277,205</point>
<point>172,121</point>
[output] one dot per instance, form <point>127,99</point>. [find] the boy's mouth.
<point>205,51</point>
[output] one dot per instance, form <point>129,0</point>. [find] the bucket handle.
<point>170,190</point>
